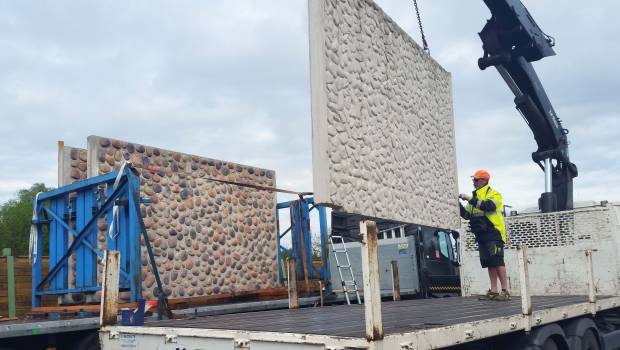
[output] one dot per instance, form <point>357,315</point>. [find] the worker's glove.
<point>465,197</point>
<point>473,202</point>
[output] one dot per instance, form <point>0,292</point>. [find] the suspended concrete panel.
<point>382,118</point>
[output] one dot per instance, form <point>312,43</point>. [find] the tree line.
<point>15,219</point>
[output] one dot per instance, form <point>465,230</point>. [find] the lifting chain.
<point>424,43</point>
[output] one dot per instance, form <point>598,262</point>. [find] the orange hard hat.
<point>482,174</point>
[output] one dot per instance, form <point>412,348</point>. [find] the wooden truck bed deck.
<point>348,321</point>
<point>409,324</point>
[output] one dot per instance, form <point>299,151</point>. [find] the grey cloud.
<point>229,79</point>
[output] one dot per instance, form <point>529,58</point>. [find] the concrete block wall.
<point>382,118</point>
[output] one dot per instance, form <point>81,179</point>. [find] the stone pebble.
<point>75,166</point>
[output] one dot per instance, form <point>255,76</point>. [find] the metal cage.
<point>301,239</point>
<point>70,216</point>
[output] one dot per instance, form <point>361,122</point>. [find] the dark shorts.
<point>491,253</point>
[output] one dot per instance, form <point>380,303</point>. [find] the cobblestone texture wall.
<point>208,237</point>
<point>71,164</point>
<point>72,168</point>
<point>383,130</point>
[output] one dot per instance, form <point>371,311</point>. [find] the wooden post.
<point>60,163</point>
<point>524,283</point>
<point>293,299</point>
<point>10,276</point>
<point>372,287</point>
<point>590,274</point>
<point>524,280</point>
<point>109,288</point>
<point>395,281</point>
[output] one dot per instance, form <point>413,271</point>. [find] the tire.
<point>88,342</point>
<point>548,337</point>
<point>581,334</point>
<point>589,341</point>
<point>550,345</point>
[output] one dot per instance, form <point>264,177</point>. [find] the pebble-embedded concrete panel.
<point>71,165</point>
<point>208,237</point>
<point>382,118</point>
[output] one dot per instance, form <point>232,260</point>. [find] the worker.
<point>483,209</point>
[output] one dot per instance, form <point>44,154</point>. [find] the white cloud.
<point>462,51</point>
<point>260,135</point>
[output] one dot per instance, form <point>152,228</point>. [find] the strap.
<point>33,243</point>
<point>113,230</point>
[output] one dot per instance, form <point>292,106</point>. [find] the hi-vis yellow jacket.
<point>489,204</point>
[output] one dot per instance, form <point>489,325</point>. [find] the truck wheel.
<point>89,342</point>
<point>589,341</point>
<point>550,345</point>
<point>582,334</point>
<point>548,337</point>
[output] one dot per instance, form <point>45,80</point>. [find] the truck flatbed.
<point>436,322</point>
<point>20,328</point>
<point>348,321</point>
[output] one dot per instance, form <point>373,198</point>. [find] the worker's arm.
<point>464,213</point>
<point>489,205</point>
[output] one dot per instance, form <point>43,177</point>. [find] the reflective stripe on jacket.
<point>486,193</point>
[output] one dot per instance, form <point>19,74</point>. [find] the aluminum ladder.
<point>348,286</point>
<point>392,232</point>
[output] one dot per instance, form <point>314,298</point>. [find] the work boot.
<point>504,295</point>
<point>489,296</point>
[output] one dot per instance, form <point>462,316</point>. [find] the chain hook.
<point>424,42</point>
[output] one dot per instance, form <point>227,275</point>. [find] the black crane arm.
<point>511,41</point>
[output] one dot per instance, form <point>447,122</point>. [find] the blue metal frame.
<point>73,211</point>
<point>301,238</point>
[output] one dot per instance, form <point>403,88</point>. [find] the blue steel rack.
<point>74,211</point>
<point>301,239</point>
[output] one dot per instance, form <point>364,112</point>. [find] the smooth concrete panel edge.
<point>318,101</point>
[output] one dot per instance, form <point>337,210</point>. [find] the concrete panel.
<point>208,237</point>
<point>382,118</point>
<point>71,164</point>
<point>71,168</point>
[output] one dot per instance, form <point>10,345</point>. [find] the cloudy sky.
<point>230,80</point>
